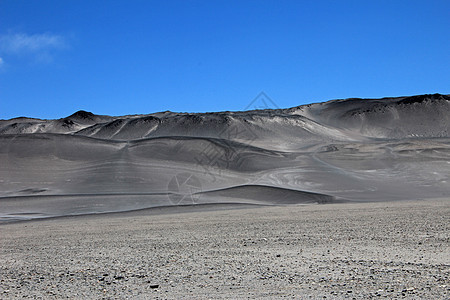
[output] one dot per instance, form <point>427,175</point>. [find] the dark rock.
<point>81,114</point>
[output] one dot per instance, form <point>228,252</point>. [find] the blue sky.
<point>130,57</point>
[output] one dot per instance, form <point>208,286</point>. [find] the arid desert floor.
<point>331,251</point>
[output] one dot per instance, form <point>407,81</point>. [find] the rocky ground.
<point>389,250</point>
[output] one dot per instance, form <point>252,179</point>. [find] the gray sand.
<point>391,249</point>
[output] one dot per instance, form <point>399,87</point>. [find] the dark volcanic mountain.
<point>337,151</point>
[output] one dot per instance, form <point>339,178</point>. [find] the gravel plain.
<point>388,250</point>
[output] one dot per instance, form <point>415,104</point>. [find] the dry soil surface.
<point>332,251</point>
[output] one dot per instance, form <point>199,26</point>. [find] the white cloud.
<point>1,61</point>
<point>20,43</point>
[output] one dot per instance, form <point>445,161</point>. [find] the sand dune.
<point>341,150</point>
<point>261,194</point>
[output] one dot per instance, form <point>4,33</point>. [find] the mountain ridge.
<point>337,116</point>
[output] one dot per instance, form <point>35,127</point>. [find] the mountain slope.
<point>337,151</point>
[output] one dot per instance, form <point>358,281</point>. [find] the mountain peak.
<point>82,114</point>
